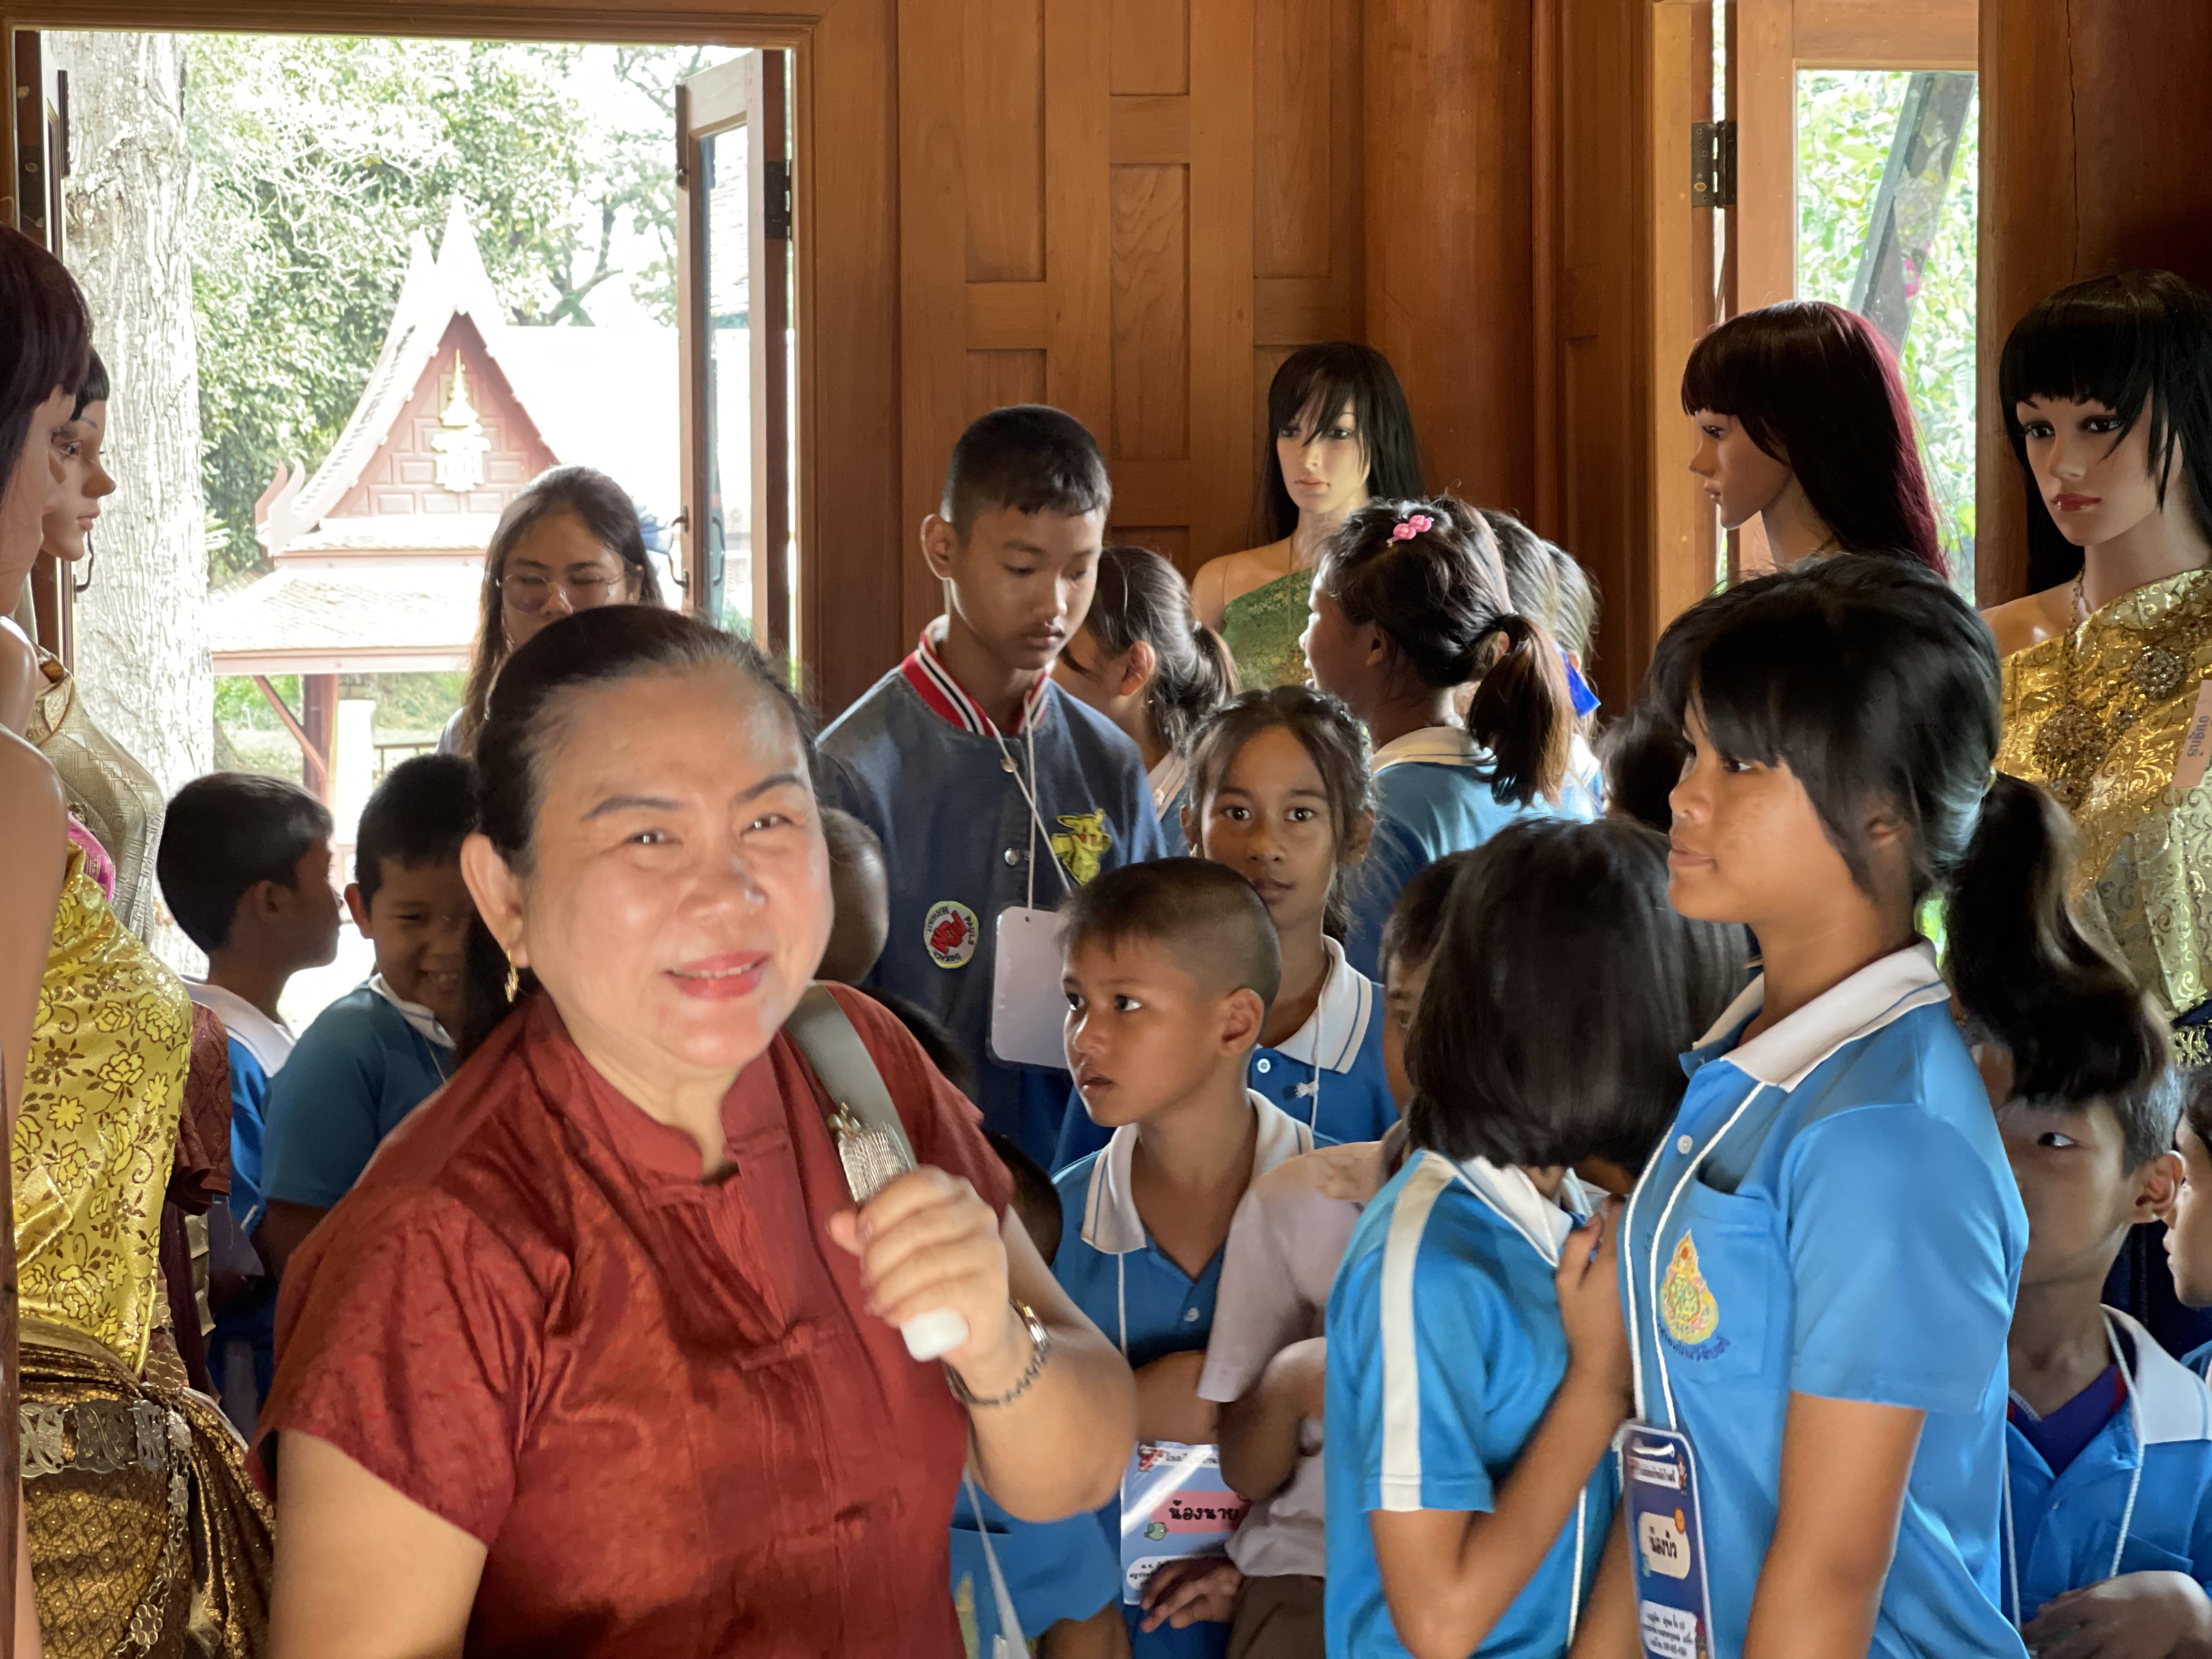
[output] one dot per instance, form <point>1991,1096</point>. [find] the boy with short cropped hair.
<point>244,866</point>
<point>1171,969</point>
<point>989,789</point>
<point>382,1048</point>
<point>2109,1438</point>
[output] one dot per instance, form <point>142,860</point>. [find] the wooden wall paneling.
<point>850,115</point>
<point>1079,220</point>
<point>1679,274</point>
<point>1604,395</point>
<point>2093,125</point>
<point>1172,541</point>
<point>1149,51</point>
<point>1223,195</point>
<point>996,379</point>
<point>1152,311</point>
<point>1002,57</point>
<point>1448,216</point>
<point>937,373</point>
<point>1293,138</point>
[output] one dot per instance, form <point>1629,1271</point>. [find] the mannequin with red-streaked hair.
<point>1803,424</point>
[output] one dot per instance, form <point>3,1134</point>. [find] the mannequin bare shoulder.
<point>1233,575</point>
<point>2018,623</point>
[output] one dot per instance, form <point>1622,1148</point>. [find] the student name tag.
<point>1666,1542</point>
<point>1028,1014</point>
<point>1173,1503</point>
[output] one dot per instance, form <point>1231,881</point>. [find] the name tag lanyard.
<point>2135,1479</point>
<point>1029,800</point>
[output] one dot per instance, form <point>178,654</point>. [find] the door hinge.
<point>775,212</point>
<point>1712,164</point>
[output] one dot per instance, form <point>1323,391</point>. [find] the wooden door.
<point>733,271</point>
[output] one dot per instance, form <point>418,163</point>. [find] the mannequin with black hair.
<point>2106,389</point>
<point>1338,434</point>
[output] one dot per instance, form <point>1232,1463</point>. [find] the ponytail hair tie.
<point>1412,524</point>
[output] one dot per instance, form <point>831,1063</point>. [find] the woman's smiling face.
<point>678,903</point>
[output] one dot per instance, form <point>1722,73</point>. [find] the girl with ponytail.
<point>1143,660</point>
<point>1818,1265</point>
<point>1410,604</point>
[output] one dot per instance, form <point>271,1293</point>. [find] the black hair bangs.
<point>2091,343</point>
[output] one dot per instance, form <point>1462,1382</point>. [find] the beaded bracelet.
<point>1040,1350</point>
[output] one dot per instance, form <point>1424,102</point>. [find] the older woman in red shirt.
<point>598,1357</point>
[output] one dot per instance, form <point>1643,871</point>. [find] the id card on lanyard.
<point>1173,1503</point>
<point>1027,1013</point>
<point>1666,1542</point>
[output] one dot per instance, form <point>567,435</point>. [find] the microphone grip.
<point>934,1334</point>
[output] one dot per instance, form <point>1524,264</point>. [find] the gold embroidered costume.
<point>147,1539</point>
<point>2098,716</point>
<point>110,792</point>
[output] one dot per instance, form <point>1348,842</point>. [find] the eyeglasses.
<point>529,593</point>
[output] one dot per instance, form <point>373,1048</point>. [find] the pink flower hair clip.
<point>1412,524</point>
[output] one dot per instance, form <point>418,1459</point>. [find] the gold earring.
<point>514,979</point>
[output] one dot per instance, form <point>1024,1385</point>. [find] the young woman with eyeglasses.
<point>570,541</point>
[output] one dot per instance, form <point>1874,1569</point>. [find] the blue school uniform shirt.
<point>1328,1074</point>
<point>1135,1293</point>
<point>1445,1349</point>
<point>2065,1529</point>
<point>920,763</point>
<point>1831,1213</point>
<point>1432,798</point>
<point>257,1046</point>
<point>366,1061</point>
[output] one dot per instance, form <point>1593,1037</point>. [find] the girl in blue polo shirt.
<point>1411,604</point>
<point>1280,793</point>
<point>1819,1266</point>
<point>1477,1370</point>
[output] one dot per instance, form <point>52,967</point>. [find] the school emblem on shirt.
<point>949,933</point>
<point>1083,845</point>
<point>1687,1306</point>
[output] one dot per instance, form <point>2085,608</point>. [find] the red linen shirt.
<point>658,1402</point>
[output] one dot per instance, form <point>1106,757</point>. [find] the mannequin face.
<point>1743,479</point>
<point>34,488</point>
<point>1325,472</point>
<point>85,482</point>
<point>2097,484</point>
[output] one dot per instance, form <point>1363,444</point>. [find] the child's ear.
<point>2161,1179</point>
<point>939,541</point>
<point>1243,1014</point>
<point>357,908</point>
<point>498,895</point>
<point>1139,668</point>
<point>1190,827</point>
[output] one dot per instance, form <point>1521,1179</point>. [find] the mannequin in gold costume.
<point>2106,389</point>
<point>109,791</point>
<point>146,1538</point>
<point>1340,434</point>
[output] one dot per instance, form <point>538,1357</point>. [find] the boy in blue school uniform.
<point>989,789</point>
<point>244,867</point>
<point>1171,968</point>
<point>2188,1213</point>
<point>384,1048</point>
<point>2108,1438</point>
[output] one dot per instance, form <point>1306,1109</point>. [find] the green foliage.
<point>1846,120</point>
<point>316,160</point>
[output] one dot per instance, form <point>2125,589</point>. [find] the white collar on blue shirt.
<point>413,1013</point>
<point>1507,1189</point>
<point>2176,1405</point>
<point>269,1041</point>
<point>1168,778</point>
<point>1331,1037</point>
<point>1786,1054</point>
<point>1434,745</point>
<point>1111,1225</point>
